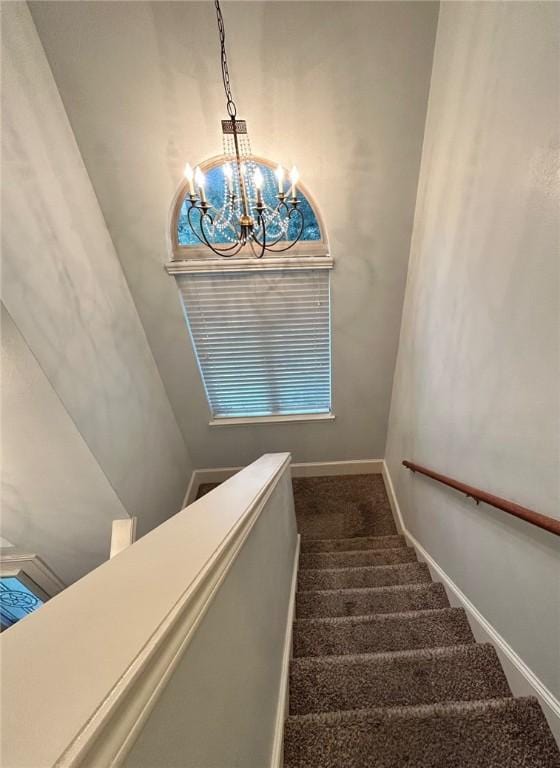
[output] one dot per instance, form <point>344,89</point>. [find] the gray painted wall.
<point>56,501</point>
<point>476,384</point>
<point>340,89</point>
<point>89,383</point>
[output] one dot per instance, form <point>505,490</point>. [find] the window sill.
<point>197,261</point>
<point>249,420</point>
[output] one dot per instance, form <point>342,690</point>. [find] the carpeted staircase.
<point>385,673</point>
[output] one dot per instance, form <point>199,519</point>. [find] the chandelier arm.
<point>252,247</point>
<point>204,239</point>
<point>254,238</point>
<point>296,239</point>
<point>282,206</point>
<point>225,252</point>
<point>193,230</point>
<point>280,237</point>
<point>263,243</point>
<point>261,220</point>
<point>219,252</point>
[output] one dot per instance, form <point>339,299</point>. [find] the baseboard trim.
<point>521,678</point>
<point>390,488</point>
<point>282,708</point>
<point>190,495</point>
<point>328,468</point>
<point>200,476</point>
<point>302,469</point>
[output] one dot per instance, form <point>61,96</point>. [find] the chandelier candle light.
<point>247,216</point>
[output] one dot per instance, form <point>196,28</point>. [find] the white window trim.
<point>273,419</point>
<point>200,266</point>
<point>31,571</point>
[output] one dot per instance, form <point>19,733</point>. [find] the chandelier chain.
<point>251,216</point>
<point>230,104</point>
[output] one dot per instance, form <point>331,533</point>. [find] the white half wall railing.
<point>174,652</point>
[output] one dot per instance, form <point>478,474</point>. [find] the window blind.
<point>262,339</point>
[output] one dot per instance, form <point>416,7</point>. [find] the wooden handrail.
<point>530,516</point>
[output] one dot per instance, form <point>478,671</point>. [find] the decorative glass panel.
<point>16,601</point>
<point>216,193</point>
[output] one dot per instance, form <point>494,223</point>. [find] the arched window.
<point>185,244</point>
<point>260,328</point>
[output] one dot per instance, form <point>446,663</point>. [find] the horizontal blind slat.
<point>293,392</point>
<point>290,318</point>
<point>272,345</point>
<point>244,377</point>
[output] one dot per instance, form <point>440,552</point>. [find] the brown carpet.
<point>385,673</point>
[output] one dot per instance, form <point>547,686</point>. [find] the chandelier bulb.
<point>200,181</point>
<point>189,176</point>
<point>258,178</point>
<point>294,178</point>
<point>259,181</point>
<point>228,173</point>
<point>279,173</point>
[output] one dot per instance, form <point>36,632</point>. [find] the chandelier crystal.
<point>251,214</point>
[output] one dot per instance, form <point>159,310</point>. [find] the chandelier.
<point>249,214</point>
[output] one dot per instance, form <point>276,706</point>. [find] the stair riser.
<point>378,576</point>
<point>467,674</point>
<point>363,601</point>
<point>357,559</point>
<point>319,637</point>
<point>515,736</point>
<point>346,545</point>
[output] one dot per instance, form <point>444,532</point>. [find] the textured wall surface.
<point>338,88</point>
<point>476,385</point>
<point>56,501</point>
<point>65,291</point>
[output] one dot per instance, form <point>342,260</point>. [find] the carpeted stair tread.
<point>345,520</point>
<point>343,506</point>
<point>401,678</point>
<point>498,733</point>
<point>311,492</point>
<point>382,632</point>
<point>356,543</point>
<point>365,576</point>
<point>354,559</point>
<point>385,673</point>
<point>359,602</point>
